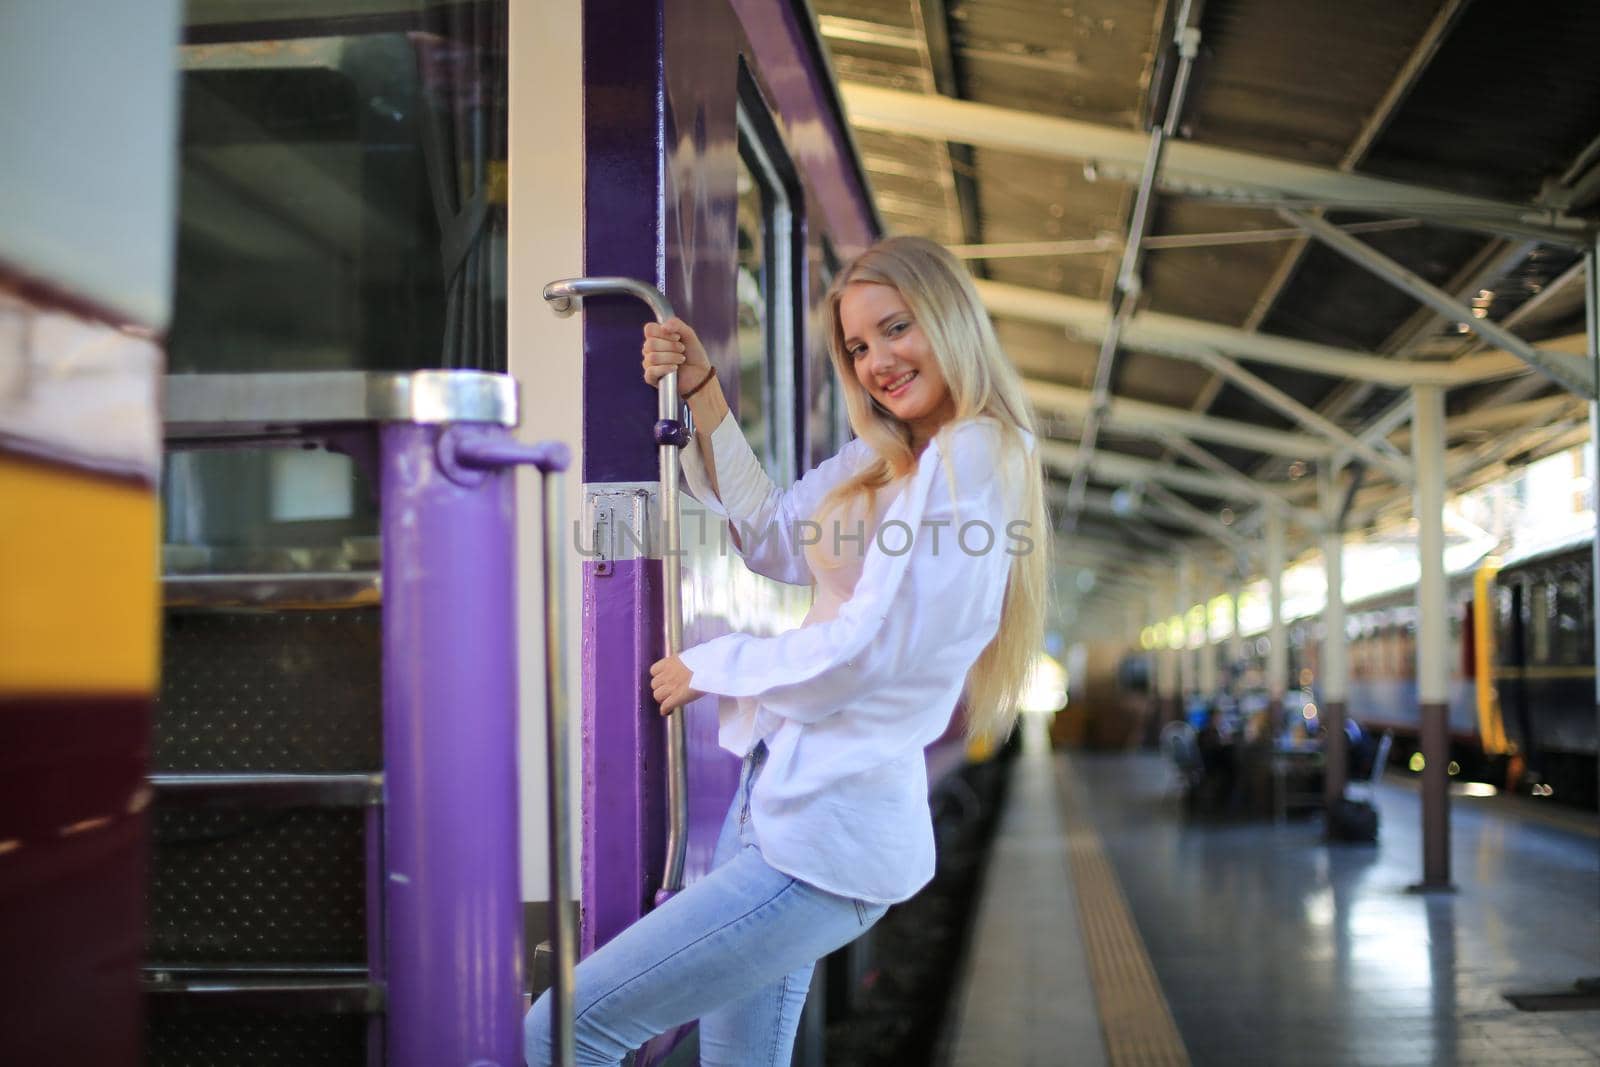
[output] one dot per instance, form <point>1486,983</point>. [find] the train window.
<point>1506,636</point>
<point>1571,623</point>
<point>342,198</point>
<point>341,207</point>
<point>827,422</point>
<point>766,292</point>
<point>1539,611</point>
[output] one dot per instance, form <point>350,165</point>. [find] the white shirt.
<point>848,701</point>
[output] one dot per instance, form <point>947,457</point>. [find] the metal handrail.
<point>565,296</point>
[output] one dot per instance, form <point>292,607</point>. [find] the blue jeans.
<point>734,950</point>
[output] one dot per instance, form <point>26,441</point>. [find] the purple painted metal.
<point>372,828</point>
<point>801,94</point>
<point>453,905</point>
<point>624,787</point>
<point>661,148</point>
<point>622,232</point>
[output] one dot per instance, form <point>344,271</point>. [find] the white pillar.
<point>1333,667</point>
<point>1184,601</point>
<point>1278,653</point>
<point>1427,448</point>
<point>1591,293</point>
<point>1208,648</point>
<point>1156,652</point>
<point>1235,635</point>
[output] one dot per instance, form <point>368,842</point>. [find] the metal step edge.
<point>306,589</point>
<point>266,790</point>
<point>320,990</point>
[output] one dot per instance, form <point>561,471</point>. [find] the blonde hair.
<point>982,383</point>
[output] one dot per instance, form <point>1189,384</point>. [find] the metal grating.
<point>233,1038</point>
<point>296,691</point>
<point>257,887</point>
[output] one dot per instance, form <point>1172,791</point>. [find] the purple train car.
<point>338,225</point>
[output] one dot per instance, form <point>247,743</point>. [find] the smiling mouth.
<point>900,384</point>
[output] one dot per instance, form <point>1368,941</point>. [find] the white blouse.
<point>848,701</point>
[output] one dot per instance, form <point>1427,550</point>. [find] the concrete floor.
<point>1273,948</point>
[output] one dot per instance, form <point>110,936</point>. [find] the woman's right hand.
<point>674,346</point>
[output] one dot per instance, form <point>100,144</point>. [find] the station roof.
<point>1455,138</point>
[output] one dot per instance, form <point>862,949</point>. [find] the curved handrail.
<point>565,296</point>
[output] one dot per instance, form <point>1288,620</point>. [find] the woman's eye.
<point>855,352</point>
<point>898,328</point>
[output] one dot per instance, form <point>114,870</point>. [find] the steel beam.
<point>1194,340</point>
<point>1185,512</point>
<point>1376,432</point>
<point>1193,169</point>
<point>1107,242</point>
<point>1125,294</point>
<point>1145,419</point>
<point>1116,467</point>
<point>1152,419</point>
<point>1398,89</point>
<point>1566,371</point>
<point>1257,490</point>
<point>1305,416</point>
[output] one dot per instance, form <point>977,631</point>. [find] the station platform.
<point>1114,929</point>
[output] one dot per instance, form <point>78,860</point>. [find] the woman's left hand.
<point>669,684</point>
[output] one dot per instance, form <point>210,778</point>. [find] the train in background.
<point>1522,671</point>
<point>1521,708</point>
<point>365,203</point>
<point>1522,676</point>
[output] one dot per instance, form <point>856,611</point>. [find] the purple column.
<point>452,900</point>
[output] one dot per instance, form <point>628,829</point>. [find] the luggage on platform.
<point>1353,820</point>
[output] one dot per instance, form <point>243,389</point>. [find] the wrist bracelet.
<point>702,385</point>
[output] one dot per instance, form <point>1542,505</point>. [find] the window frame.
<point>762,153</point>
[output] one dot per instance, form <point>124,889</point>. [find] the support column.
<point>1186,658</point>
<point>1171,683</point>
<point>1277,637</point>
<point>1591,292</point>
<point>1333,671</point>
<point>1208,648</point>
<point>1427,446</point>
<point>1235,636</point>
<point>1157,653</point>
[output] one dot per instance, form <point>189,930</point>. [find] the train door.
<point>707,136</point>
<point>341,291</point>
<point>1511,657</point>
<point>85,263</point>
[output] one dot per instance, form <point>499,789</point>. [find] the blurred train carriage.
<point>1521,656</point>
<point>368,198</point>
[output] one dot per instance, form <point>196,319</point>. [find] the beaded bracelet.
<point>702,385</point>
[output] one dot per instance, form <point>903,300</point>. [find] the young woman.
<point>927,542</point>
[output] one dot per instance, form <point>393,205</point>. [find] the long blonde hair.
<point>982,382</point>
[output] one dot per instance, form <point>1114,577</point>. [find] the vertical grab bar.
<point>564,296</point>
<point>563,927</point>
<point>479,451</point>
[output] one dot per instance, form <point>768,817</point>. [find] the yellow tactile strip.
<point>1134,1017</point>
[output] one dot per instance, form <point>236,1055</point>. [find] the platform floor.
<point>1271,947</point>
<point>1027,999</point>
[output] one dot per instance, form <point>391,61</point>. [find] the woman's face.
<point>892,358</point>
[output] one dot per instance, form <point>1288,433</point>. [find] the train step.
<point>201,790</point>
<point>288,989</point>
